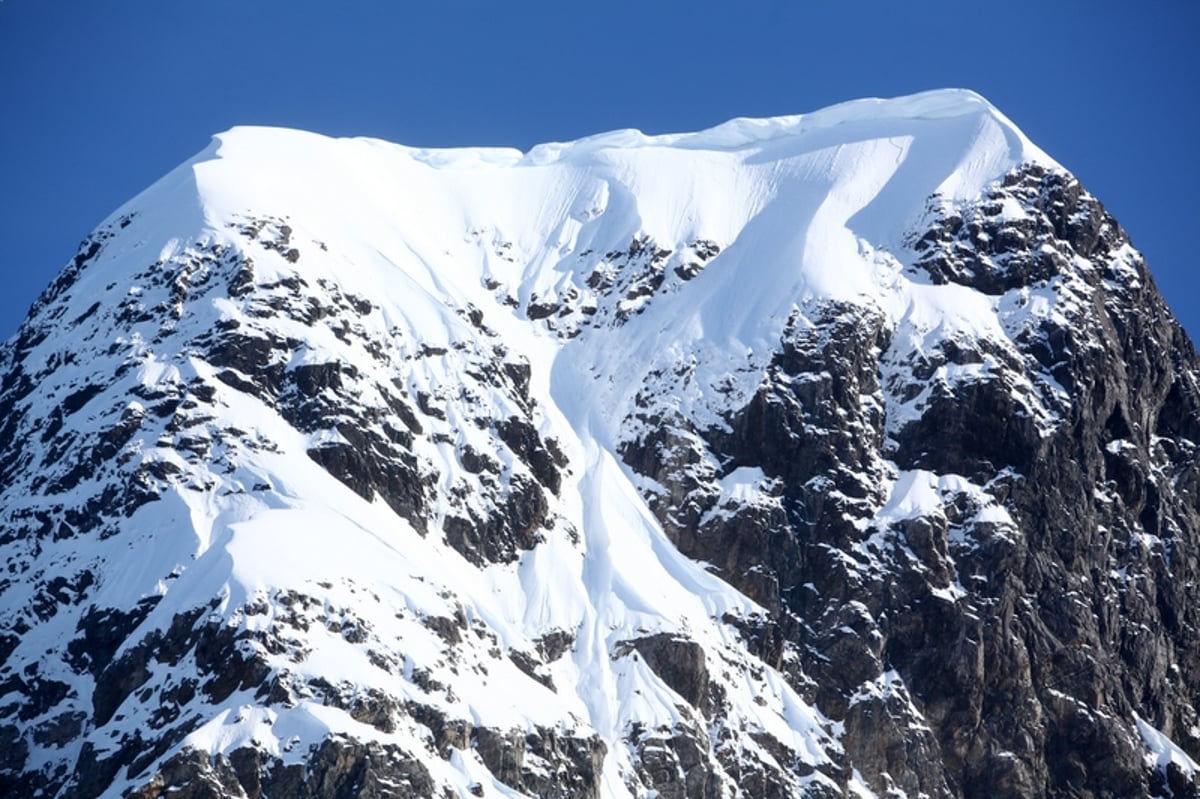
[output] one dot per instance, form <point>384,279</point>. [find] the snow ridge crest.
<point>628,466</point>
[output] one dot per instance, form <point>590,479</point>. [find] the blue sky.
<point>98,99</point>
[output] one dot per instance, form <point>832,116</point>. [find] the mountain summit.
<point>847,454</point>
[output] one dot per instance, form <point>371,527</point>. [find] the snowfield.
<point>369,411</point>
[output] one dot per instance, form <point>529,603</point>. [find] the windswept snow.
<point>740,229</point>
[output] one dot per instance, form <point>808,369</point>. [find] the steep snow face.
<point>803,210</point>
<point>337,443</point>
<point>796,193</point>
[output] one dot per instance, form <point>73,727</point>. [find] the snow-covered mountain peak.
<point>952,139</point>
<point>630,465</point>
<point>817,185</point>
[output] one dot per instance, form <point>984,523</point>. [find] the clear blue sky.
<point>98,99</point>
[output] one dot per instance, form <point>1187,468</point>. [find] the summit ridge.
<point>851,453</point>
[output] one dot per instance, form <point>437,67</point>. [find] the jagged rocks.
<point>500,537</point>
<point>679,663</point>
<point>327,506</point>
<point>339,767</point>
<point>542,762</point>
<point>618,285</point>
<point>677,766</point>
<point>974,622</point>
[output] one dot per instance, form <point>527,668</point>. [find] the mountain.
<point>848,454</point>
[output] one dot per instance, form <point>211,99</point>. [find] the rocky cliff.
<point>846,454</point>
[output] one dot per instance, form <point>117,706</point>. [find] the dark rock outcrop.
<point>971,551</point>
<point>969,653</point>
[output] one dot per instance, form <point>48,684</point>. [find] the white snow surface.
<point>1162,752</point>
<point>805,209</point>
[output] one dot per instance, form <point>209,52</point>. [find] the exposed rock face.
<point>1023,644</point>
<point>337,768</point>
<point>286,514</point>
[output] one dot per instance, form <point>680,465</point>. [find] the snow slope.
<point>587,290</point>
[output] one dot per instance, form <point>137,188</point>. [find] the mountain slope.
<point>851,453</point>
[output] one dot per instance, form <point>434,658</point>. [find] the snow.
<point>919,492</point>
<point>1161,751</point>
<point>806,210</point>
